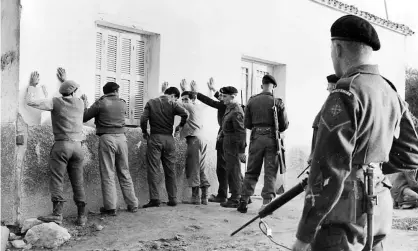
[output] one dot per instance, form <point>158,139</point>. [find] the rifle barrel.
<point>245,225</point>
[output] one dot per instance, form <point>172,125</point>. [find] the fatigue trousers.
<point>113,158</point>
<point>352,237</point>
<point>67,156</point>
<point>263,147</point>
<point>161,147</point>
<point>196,162</point>
<point>221,171</point>
<point>233,166</point>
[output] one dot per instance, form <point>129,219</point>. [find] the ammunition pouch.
<point>352,205</point>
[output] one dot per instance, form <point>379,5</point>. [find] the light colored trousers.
<point>113,158</point>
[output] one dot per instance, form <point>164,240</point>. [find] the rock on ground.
<point>18,244</point>
<point>29,223</point>
<point>48,235</point>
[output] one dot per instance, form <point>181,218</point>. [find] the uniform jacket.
<point>259,112</point>
<point>233,126</point>
<point>357,125</point>
<point>109,112</point>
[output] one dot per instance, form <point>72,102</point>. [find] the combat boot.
<point>81,214</point>
<point>56,215</point>
<point>152,203</point>
<point>172,202</point>
<point>243,206</point>
<point>216,198</point>
<point>230,203</point>
<point>204,196</point>
<point>195,199</point>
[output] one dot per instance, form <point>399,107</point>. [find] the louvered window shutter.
<point>138,90</point>
<point>99,56</point>
<point>121,58</point>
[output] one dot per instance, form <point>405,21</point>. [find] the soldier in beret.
<point>233,136</point>
<point>66,153</point>
<point>109,112</point>
<point>259,118</point>
<point>358,127</point>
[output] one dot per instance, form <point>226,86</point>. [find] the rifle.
<point>371,201</point>
<point>277,203</point>
<point>280,148</point>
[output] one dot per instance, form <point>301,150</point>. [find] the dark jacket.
<point>109,114</point>
<point>259,112</point>
<point>160,113</point>
<point>359,121</point>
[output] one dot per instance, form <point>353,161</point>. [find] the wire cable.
<point>267,232</point>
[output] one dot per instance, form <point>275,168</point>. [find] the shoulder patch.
<point>334,114</point>
<point>342,91</point>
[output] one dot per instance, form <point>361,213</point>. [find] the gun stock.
<point>277,203</point>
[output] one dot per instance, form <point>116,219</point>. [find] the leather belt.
<point>263,130</point>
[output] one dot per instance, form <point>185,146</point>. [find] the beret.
<point>110,87</point>
<point>68,87</point>
<point>229,90</point>
<point>354,28</point>
<point>269,79</point>
<point>332,78</point>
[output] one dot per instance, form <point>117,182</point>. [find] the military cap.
<point>68,87</point>
<point>110,87</point>
<point>332,78</point>
<point>354,28</point>
<point>229,90</point>
<point>269,79</point>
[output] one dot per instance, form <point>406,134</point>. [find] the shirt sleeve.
<point>282,117</point>
<point>144,118</point>
<point>208,101</point>
<point>45,104</point>
<point>238,124</point>
<point>91,112</point>
<point>247,118</point>
<point>180,111</point>
<point>331,161</point>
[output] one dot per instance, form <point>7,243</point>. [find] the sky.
<point>399,11</point>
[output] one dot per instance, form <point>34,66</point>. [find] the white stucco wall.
<point>200,39</point>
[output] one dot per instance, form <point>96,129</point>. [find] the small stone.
<point>18,244</point>
<point>13,237</point>
<point>98,227</point>
<point>156,245</point>
<point>9,244</point>
<point>29,223</point>
<point>225,220</point>
<point>28,246</point>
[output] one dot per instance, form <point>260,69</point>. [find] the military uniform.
<point>234,143</point>
<point>109,112</point>
<point>357,127</point>
<point>160,113</point>
<point>259,118</point>
<point>405,189</point>
<point>221,171</point>
<point>66,154</point>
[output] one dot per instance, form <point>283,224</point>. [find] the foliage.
<point>411,90</point>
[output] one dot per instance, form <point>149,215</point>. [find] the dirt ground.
<point>190,227</point>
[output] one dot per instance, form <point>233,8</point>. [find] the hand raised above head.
<point>193,86</point>
<point>183,84</point>
<point>211,85</point>
<point>61,74</point>
<point>34,79</point>
<point>164,86</point>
